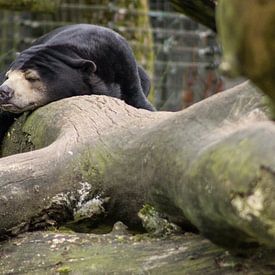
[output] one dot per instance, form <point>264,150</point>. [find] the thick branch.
<point>211,165</point>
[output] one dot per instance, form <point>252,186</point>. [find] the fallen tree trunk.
<point>210,165</point>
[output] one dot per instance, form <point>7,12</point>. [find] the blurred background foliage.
<point>180,55</point>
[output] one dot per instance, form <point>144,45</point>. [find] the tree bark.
<point>123,253</point>
<point>210,165</point>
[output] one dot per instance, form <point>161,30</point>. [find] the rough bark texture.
<point>211,165</point>
<point>122,253</point>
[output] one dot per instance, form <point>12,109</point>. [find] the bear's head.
<point>42,74</point>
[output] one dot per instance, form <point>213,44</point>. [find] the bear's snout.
<point>6,93</point>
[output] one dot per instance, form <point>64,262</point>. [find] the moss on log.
<point>123,253</point>
<point>210,166</point>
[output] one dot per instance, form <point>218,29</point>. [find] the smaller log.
<point>120,252</point>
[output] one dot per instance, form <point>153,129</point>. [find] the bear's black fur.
<point>83,59</point>
<point>69,61</point>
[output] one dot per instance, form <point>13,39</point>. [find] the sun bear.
<point>74,60</point>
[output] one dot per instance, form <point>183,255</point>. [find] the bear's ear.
<point>79,63</point>
<point>87,65</point>
<point>73,61</point>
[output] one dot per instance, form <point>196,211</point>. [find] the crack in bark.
<point>170,142</point>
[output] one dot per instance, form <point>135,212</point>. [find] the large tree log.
<point>211,165</point>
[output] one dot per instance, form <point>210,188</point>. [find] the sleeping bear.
<point>74,60</point>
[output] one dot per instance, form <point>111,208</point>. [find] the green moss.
<point>147,209</point>
<point>16,141</point>
<point>40,129</point>
<point>155,224</point>
<point>226,171</point>
<point>225,157</point>
<point>231,173</point>
<point>90,165</point>
<point>49,253</point>
<point>64,270</point>
<point>32,130</point>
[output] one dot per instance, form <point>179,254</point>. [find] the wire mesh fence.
<point>182,52</point>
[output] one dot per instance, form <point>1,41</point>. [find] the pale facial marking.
<point>29,91</point>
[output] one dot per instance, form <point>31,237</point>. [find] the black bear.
<point>74,60</point>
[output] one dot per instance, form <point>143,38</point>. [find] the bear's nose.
<point>6,93</point>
